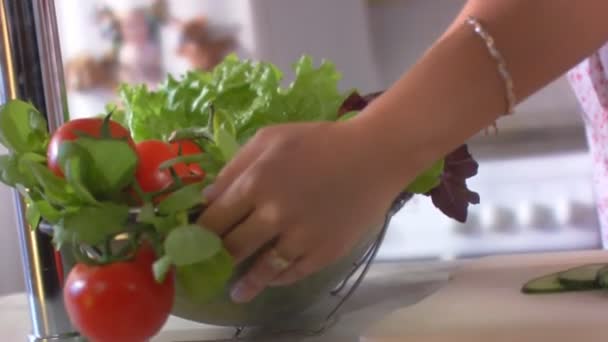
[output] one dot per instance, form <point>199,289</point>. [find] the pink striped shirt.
<point>589,80</point>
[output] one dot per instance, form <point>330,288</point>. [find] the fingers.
<point>288,250</point>
<point>299,270</point>
<point>230,198</point>
<point>230,208</point>
<point>247,155</point>
<point>256,231</point>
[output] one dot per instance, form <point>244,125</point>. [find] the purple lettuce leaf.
<point>451,196</point>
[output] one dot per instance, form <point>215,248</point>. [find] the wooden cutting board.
<point>482,302</point>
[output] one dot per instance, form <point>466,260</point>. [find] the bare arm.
<point>454,90</point>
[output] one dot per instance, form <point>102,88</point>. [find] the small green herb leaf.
<point>35,157</point>
<point>9,171</point>
<point>93,225</point>
<point>204,280</point>
<point>162,224</point>
<point>73,169</point>
<point>22,128</point>
<point>161,267</point>
<point>182,199</point>
<point>55,189</point>
<point>191,244</point>
<point>48,212</point>
<point>427,180</point>
<point>61,236</point>
<point>146,213</point>
<point>112,167</point>
<point>32,214</point>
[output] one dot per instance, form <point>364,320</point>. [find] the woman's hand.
<point>309,192</point>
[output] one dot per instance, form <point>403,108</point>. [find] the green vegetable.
<point>204,280</point>
<point>583,277</point>
<point>94,224</point>
<point>183,199</point>
<point>232,102</point>
<point>427,180</point>
<point>161,223</point>
<point>55,190</point>
<point>161,267</point>
<point>220,110</point>
<point>22,128</point>
<point>545,284</point>
<point>191,244</point>
<point>106,166</point>
<point>602,277</point>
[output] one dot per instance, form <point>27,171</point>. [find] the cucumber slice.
<point>581,278</point>
<point>602,277</point>
<point>545,284</point>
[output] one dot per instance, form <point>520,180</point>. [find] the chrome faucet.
<point>31,69</point>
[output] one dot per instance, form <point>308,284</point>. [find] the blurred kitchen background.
<point>534,180</point>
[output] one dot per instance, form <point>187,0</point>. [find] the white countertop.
<point>387,287</point>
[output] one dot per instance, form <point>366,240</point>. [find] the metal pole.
<point>31,69</point>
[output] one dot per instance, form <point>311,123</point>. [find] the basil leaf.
<point>11,174</point>
<point>35,157</point>
<point>107,165</point>
<point>183,199</point>
<point>146,213</point>
<point>162,224</point>
<point>94,224</point>
<point>427,180</point>
<point>191,244</point>
<point>204,280</point>
<point>48,212</point>
<point>74,174</point>
<point>55,189</point>
<point>62,236</point>
<point>22,128</point>
<point>32,214</point>
<point>161,267</point>
<point>9,171</point>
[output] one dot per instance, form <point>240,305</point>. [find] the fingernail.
<point>241,293</point>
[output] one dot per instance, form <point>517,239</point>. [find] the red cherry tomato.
<point>68,132</point>
<point>187,147</point>
<point>151,154</point>
<point>119,302</point>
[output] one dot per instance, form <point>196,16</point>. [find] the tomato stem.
<point>105,126</point>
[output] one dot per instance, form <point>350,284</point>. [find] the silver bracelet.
<point>502,65</point>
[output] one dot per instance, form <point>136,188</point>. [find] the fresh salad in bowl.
<point>120,191</point>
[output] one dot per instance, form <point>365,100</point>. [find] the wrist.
<point>393,163</point>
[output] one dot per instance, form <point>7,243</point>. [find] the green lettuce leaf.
<point>244,95</point>
<point>427,180</point>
